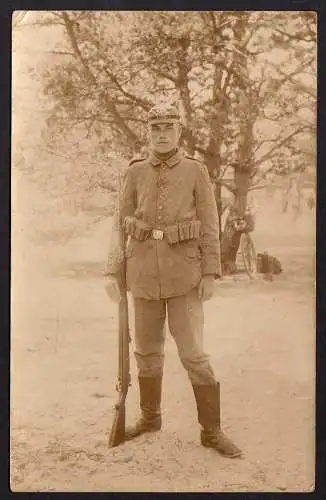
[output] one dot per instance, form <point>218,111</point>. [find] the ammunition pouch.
<point>137,228</point>
<point>181,231</point>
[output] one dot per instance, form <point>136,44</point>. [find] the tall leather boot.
<point>150,390</point>
<point>209,416</point>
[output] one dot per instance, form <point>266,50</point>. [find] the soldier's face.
<point>164,137</point>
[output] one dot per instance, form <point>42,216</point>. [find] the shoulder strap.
<point>136,160</point>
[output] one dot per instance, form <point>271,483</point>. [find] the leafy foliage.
<point>245,82</point>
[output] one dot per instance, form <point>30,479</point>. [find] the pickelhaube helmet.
<point>164,112</point>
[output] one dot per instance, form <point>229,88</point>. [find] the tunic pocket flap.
<point>192,252</point>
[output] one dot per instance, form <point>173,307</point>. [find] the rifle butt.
<point>117,434</point>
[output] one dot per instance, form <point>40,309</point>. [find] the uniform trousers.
<point>186,321</point>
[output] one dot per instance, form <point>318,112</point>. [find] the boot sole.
<point>238,454</point>
<point>147,431</point>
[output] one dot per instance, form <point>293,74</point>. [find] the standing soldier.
<point>168,210</point>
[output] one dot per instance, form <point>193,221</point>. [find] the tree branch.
<point>296,36</point>
<point>143,103</point>
<point>70,31</point>
<point>289,76</point>
<point>58,52</point>
<point>267,155</point>
<point>121,123</point>
<point>254,187</point>
<point>229,185</point>
<point>164,74</point>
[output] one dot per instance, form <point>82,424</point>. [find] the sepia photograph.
<point>163,245</point>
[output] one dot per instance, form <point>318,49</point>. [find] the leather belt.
<point>180,231</point>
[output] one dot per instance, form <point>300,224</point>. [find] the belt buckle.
<point>157,234</point>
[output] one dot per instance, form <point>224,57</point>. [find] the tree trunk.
<point>231,238</point>
<point>244,117</point>
<point>218,199</point>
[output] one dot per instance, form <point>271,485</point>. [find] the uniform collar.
<point>171,161</point>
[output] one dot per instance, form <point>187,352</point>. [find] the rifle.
<point>117,434</point>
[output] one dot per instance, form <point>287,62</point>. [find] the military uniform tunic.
<point>161,195</point>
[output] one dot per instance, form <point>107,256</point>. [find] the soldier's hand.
<point>112,288</point>
<point>206,288</point>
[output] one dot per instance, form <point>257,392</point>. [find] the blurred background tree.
<point>245,81</point>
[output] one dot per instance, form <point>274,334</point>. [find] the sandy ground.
<point>64,361</point>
